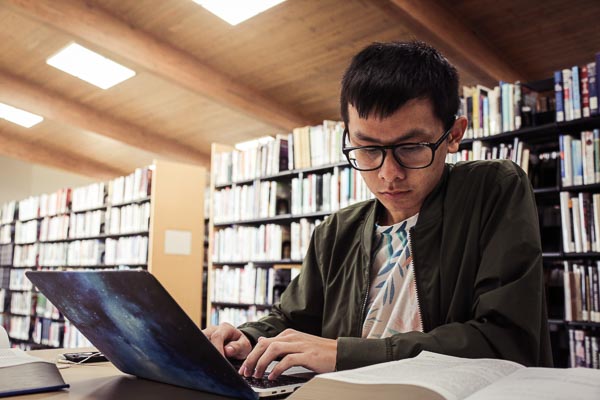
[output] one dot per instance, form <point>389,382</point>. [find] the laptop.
<point>130,317</point>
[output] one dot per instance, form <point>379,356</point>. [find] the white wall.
<point>19,179</point>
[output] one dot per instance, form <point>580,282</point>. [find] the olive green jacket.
<point>478,270</point>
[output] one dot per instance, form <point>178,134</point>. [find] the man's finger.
<point>274,350</point>
<point>247,368</point>
<point>289,361</point>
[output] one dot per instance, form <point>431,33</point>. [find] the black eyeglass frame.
<point>432,146</point>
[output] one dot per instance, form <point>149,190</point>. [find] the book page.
<point>452,377</point>
<point>545,384</point>
<point>11,357</point>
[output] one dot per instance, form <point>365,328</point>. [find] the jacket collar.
<point>431,211</point>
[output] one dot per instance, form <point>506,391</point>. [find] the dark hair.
<point>385,76</point>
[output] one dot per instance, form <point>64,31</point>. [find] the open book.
<point>439,377</point>
<point>21,373</point>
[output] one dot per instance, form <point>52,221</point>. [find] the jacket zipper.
<point>366,298</point>
<point>414,271</point>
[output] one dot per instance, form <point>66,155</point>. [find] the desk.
<point>104,381</point>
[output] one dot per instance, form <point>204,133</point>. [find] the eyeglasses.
<point>408,155</point>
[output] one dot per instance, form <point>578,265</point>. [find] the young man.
<point>446,259</point>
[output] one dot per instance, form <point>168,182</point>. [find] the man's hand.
<point>296,348</point>
<point>230,342</point>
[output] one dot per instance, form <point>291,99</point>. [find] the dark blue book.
<point>31,375</point>
<point>558,91</point>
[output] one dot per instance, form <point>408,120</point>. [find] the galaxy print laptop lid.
<point>131,318</point>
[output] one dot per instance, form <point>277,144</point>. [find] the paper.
<point>12,357</point>
<point>178,242</point>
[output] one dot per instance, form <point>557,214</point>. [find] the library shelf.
<point>561,255</point>
<point>258,264</point>
<point>241,305</point>
<point>109,236</point>
<point>282,218</point>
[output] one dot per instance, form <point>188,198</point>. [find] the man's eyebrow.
<point>418,133</point>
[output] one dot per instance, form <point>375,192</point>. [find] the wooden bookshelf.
<point>174,235</point>
<point>319,163</point>
<point>543,139</point>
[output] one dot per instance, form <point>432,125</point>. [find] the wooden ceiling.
<point>200,80</point>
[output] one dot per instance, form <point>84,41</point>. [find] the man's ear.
<point>456,134</point>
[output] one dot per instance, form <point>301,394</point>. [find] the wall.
<point>19,179</point>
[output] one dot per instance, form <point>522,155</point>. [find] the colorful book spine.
<point>558,91</point>
<point>585,92</point>
<point>567,93</point>
<point>593,87</point>
<point>576,100</point>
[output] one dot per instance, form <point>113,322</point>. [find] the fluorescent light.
<point>236,11</point>
<point>90,66</point>
<point>18,116</point>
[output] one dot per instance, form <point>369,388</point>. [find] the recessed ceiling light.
<point>18,116</point>
<point>90,66</point>
<point>236,11</point>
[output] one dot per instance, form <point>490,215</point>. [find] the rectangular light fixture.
<point>90,66</point>
<point>236,11</point>
<point>18,116</point>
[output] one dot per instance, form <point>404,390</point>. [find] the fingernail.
<point>229,348</point>
<point>242,370</point>
<point>271,376</point>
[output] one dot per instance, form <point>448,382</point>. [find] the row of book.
<point>493,111</point>
<point>580,158</point>
<point>584,348</point>
<point>135,186</point>
<point>18,280</point>
<point>19,326</point>
<point>25,256</point>
<point>580,221</point>
<point>305,147</point>
<point>55,228</point>
<point>311,193</point>
<point>581,291</point>
<point>94,252</point>
<point>48,332</point>
<point>2,299</point>
<point>26,232</point>
<point>576,90</point>
<point>258,200</point>
<point>6,233</point>
<point>267,242</point>
<point>517,151</point>
<point>300,234</point>
<point>128,219</point>
<point>7,212</point>
<point>235,316</point>
<point>328,192</point>
<point>250,285</point>
<point>89,197</point>
<point>44,308</point>
<point>20,303</point>
<point>126,250</point>
<point>6,255</point>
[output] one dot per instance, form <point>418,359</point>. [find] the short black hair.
<point>384,76</point>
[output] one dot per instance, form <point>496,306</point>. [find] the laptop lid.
<point>132,319</point>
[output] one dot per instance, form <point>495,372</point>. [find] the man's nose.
<point>390,169</point>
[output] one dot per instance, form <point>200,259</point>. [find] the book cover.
<point>567,94</point>
<point>21,373</point>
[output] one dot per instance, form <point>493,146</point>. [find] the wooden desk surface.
<point>104,381</point>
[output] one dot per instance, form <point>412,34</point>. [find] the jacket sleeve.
<point>301,305</point>
<point>508,314</point>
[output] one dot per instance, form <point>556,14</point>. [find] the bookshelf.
<point>265,201</point>
<point>553,153</point>
<point>151,219</point>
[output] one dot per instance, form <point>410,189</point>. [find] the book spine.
<point>576,92</point>
<point>558,93</point>
<point>593,87</point>
<point>585,92</point>
<point>567,93</point>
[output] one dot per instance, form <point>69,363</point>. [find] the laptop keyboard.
<point>264,383</point>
